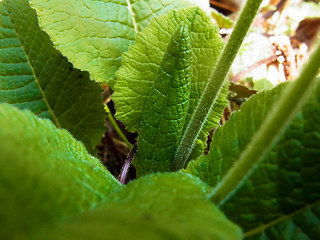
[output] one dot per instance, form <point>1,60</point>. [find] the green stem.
<point>116,127</point>
<point>280,116</point>
<point>214,84</point>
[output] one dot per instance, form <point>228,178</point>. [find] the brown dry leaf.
<point>240,91</point>
<point>307,31</point>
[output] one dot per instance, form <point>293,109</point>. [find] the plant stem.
<point>214,84</point>
<point>116,127</point>
<point>125,168</point>
<point>276,122</point>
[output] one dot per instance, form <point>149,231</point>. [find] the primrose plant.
<point>167,66</point>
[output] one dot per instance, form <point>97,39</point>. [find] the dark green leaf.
<point>303,224</point>
<point>286,184</point>
<point>35,76</point>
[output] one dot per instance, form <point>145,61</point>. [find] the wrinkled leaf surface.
<point>93,34</point>
<point>161,81</point>
<point>35,76</point>
<point>285,186</point>
<point>45,174</point>
<point>161,206</point>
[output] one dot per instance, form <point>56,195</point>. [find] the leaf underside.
<point>45,174</point>
<point>93,34</point>
<point>285,187</point>
<point>35,76</point>
<point>302,224</point>
<point>161,206</point>
<point>152,94</point>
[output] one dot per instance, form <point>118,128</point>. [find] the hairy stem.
<point>214,84</point>
<point>116,127</point>
<point>278,119</point>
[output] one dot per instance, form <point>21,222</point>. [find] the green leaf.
<point>262,84</point>
<point>152,95</point>
<point>268,134</point>
<point>161,206</point>
<point>167,106</point>
<point>214,86</point>
<point>286,184</point>
<point>35,76</point>
<point>45,174</point>
<point>302,224</point>
<point>221,20</point>
<point>94,34</point>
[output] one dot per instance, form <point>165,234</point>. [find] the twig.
<point>125,168</point>
<point>223,5</point>
<point>242,74</point>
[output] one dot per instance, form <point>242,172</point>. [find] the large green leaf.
<point>303,224</point>
<point>45,174</point>
<point>166,109</point>
<point>161,206</point>
<point>93,34</point>
<point>35,76</point>
<point>152,94</point>
<point>285,187</point>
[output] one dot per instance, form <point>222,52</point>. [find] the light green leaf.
<point>94,34</point>
<point>161,206</point>
<point>45,174</point>
<point>35,76</point>
<point>286,184</point>
<point>155,70</point>
<point>261,84</point>
<point>167,106</point>
<point>221,20</point>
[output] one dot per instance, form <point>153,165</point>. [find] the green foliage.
<point>221,20</point>
<point>214,85</point>
<point>235,135</point>
<point>34,75</point>
<point>159,206</point>
<point>153,95</point>
<point>301,224</point>
<point>285,185</point>
<point>166,110</point>
<point>94,34</point>
<point>263,163</point>
<point>262,84</point>
<point>45,174</point>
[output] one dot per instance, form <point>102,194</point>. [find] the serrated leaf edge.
<point>55,119</point>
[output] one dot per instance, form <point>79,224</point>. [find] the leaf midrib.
<point>282,218</point>
<point>55,119</point>
<point>132,14</point>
